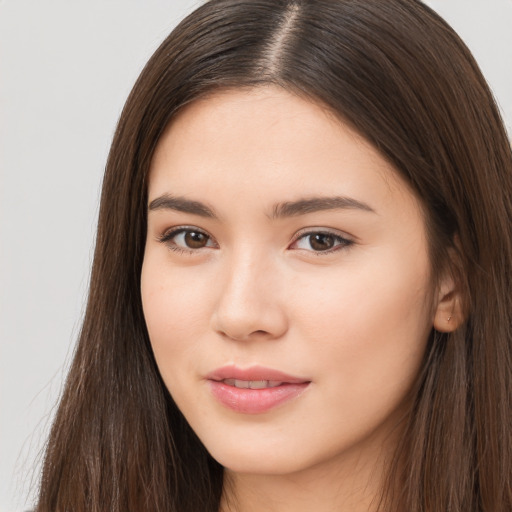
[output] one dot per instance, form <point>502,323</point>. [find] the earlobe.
<point>448,312</point>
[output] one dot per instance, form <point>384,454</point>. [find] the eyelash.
<point>340,241</point>
<point>169,235</point>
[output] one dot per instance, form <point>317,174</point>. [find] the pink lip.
<point>254,401</point>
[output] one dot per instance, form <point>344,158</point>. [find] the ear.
<point>448,314</point>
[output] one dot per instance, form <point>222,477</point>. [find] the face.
<point>286,284</point>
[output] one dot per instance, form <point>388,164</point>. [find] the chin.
<point>243,455</point>
<point>261,463</point>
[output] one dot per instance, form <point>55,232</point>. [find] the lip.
<point>254,401</point>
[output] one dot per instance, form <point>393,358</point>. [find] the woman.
<point>300,297</point>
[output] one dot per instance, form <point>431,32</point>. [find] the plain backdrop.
<point>66,68</point>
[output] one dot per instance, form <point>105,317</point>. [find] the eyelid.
<point>170,233</point>
<point>345,239</point>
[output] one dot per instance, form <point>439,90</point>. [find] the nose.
<point>249,304</point>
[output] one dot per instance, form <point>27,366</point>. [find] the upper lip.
<point>254,373</point>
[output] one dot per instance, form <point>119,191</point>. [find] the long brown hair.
<point>401,77</point>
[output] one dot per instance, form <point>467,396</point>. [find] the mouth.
<point>252,384</point>
<point>254,390</point>
<point>260,376</point>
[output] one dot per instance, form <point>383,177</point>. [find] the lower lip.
<point>255,401</point>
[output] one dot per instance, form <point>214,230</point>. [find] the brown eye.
<point>187,239</point>
<point>321,241</point>
<point>195,239</point>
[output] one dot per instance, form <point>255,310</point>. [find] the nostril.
<point>239,336</point>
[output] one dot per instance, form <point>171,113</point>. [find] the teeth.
<point>273,383</point>
<point>252,384</point>
<point>258,384</point>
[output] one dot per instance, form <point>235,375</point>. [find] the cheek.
<point>176,309</point>
<point>372,328</point>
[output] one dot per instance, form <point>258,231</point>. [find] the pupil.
<point>195,240</point>
<point>321,242</point>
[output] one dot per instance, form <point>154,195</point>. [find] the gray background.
<point>66,68</point>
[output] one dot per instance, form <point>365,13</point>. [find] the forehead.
<point>270,145</point>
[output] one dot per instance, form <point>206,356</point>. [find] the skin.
<point>354,320</point>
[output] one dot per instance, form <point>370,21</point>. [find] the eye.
<point>187,239</point>
<point>320,242</point>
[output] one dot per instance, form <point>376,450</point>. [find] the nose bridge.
<point>248,299</point>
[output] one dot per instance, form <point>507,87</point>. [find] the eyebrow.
<point>316,204</point>
<point>279,211</point>
<point>180,204</point>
